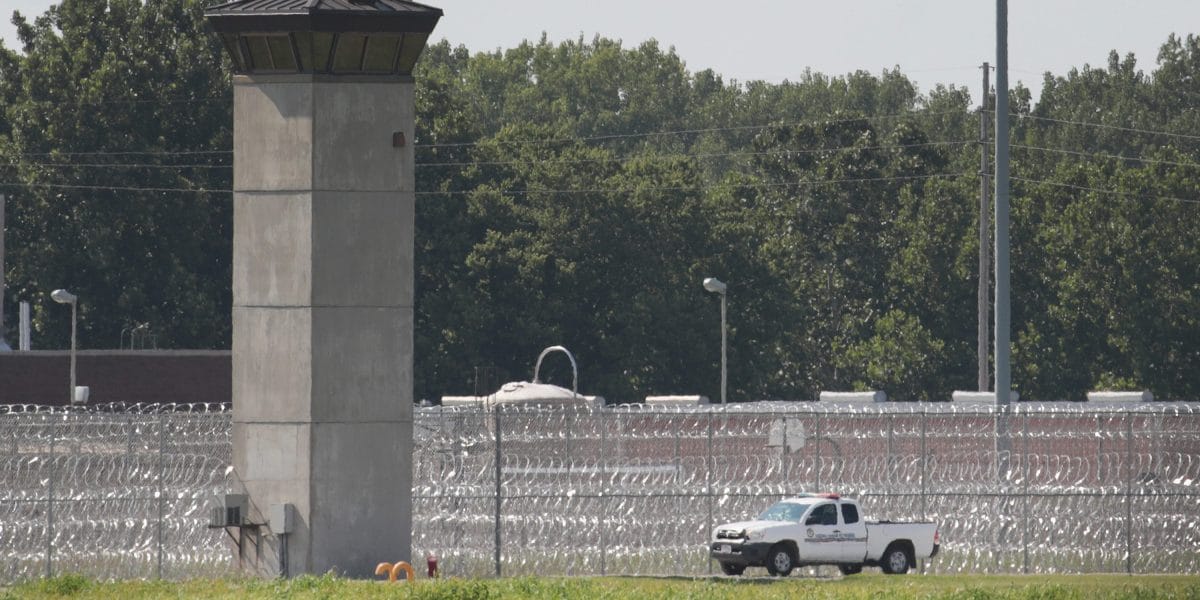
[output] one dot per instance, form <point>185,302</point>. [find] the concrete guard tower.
<point>323,277</point>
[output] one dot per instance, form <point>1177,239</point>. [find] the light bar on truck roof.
<point>826,495</point>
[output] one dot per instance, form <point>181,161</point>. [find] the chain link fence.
<point>123,491</point>
<point>114,491</point>
<point>1062,488</point>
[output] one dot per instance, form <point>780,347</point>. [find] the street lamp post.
<point>715,285</point>
<point>65,297</point>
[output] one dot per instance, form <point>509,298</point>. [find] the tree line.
<point>578,192</point>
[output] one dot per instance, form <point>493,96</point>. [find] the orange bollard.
<point>386,569</point>
<point>402,566</point>
<point>393,571</point>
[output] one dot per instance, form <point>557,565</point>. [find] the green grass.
<point>861,587</point>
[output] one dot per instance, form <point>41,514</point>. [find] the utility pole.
<point>1003,379</point>
<point>1003,382</point>
<point>3,344</point>
<point>985,239</point>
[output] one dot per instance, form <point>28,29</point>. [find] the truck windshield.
<point>784,511</point>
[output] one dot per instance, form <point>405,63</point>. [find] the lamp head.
<point>713,284</point>
<point>63,297</point>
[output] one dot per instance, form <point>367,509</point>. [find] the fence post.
<point>568,423</point>
<point>1025,516</point>
<point>817,445</point>
<point>708,482</point>
<point>678,458</point>
<point>603,498</point>
<point>924,458</point>
<point>924,468</point>
<point>890,467</point>
<point>1155,445</point>
<point>786,460</point>
<point>50,499</point>
<point>498,458</point>
<point>162,492</point>
<point>1129,492</point>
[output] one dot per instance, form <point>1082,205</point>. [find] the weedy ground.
<point>859,587</point>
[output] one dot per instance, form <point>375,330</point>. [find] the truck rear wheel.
<point>732,569</point>
<point>780,561</point>
<point>895,560</point>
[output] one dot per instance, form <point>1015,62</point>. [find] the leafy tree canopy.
<point>577,193</point>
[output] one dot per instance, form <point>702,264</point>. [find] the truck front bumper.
<point>738,553</point>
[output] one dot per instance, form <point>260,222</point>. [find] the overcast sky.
<point>933,41</point>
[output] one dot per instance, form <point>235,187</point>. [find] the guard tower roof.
<point>366,16</point>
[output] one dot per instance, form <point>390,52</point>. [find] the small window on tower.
<point>348,56</point>
<point>281,52</point>
<point>381,53</point>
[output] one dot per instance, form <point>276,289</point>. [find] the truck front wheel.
<point>780,561</point>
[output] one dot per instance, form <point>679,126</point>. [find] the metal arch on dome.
<point>574,368</point>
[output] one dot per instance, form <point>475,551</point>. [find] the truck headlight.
<point>749,535</point>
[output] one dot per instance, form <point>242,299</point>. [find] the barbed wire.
<point>131,483</point>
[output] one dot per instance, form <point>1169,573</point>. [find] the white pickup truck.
<point>821,529</point>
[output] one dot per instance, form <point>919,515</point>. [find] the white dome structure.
<point>533,393</point>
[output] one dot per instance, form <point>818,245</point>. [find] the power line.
<point>939,69</point>
<point>693,131</point>
<point>127,165</point>
<point>201,100</point>
<point>1106,155</point>
<point>651,134</point>
<point>671,132</point>
<point>643,189</point>
<point>1112,127</point>
<point>531,191</point>
<point>694,155</point>
<point>111,188</point>
<point>1027,72</point>
<point>556,161</point>
<point>700,188</point>
<point>1100,191</point>
<point>607,160</point>
<point>128,153</point>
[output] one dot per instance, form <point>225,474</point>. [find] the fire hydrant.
<point>431,564</point>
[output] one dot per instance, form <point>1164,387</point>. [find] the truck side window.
<point>849,513</point>
<point>825,514</point>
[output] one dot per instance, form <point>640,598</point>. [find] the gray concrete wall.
<point>322,315</point>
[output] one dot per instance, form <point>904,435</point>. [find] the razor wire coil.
<point>634,489</point>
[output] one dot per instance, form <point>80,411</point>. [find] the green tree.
<point>104,93</point>
<point>902,358</point>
